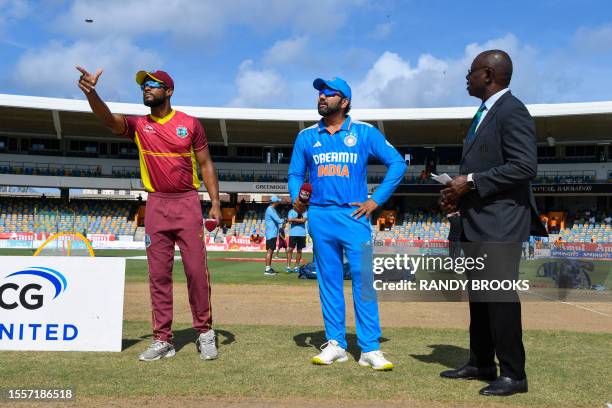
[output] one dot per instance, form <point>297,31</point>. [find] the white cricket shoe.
<point>158,349</point>
<point>330,352</point>
<point>376,360</point>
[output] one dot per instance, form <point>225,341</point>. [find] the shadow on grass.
<point>183,337</point>
<point>316,339</point>
<point>127,343</point>
<point>445,354</point>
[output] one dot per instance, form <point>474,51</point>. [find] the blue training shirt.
<point>337,164</point>
<point>297,229</point>
<point>273,221</point>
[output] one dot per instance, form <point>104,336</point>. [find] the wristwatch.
<point>470,181</point>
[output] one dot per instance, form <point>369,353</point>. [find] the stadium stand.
<point>117,217</point>
<point>588,226</point>
<point>259,176</point>
<point>418,224</point>
<point>51,215</point>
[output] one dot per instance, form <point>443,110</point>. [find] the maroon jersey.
<point>167,149</point>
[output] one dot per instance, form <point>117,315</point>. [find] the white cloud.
<point>259,87</point>
<point>51,71</point>
<point>594,40</point>
<point>381,31</point>
<point>196,20</point>
<point>394,82</point>
<point>286,51</point>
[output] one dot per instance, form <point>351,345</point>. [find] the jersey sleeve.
<point>130,126</point>
<point>396,167</point>
<point>199,140</point>
<point>292,214</point>
<point>297,167</point>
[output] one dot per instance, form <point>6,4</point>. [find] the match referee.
<point>170,144</point>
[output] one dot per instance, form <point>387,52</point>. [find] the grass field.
<point>565,368</point>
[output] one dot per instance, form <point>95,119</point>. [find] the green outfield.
<point>565,368</point>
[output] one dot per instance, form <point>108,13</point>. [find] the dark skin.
<point>333,110</point>
<point>116,123</point>
<point>489,73</point>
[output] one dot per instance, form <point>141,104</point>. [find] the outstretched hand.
<point>366,208</point>
<point>87,81</point>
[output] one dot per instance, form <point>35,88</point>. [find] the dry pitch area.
<point>268,332</point>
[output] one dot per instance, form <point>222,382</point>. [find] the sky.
<point>266,53</point>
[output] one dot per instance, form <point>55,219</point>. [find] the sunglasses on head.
<point>330,92</point>
<point>152,84</point>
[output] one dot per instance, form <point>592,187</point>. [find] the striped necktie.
<point>475,122</point>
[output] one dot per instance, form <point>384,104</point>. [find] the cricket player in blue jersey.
<point>273,223</point>
<point>334,153</point>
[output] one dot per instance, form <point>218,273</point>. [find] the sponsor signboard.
<point>61,303</point>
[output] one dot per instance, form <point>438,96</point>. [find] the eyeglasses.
<point>470,72</point>
<point>330,92</point>
<point>152,84</point>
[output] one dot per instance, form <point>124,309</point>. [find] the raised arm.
<point>87,84</point>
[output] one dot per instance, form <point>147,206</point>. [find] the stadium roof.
<point>589,122</point>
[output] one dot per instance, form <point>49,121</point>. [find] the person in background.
<point>273,223</point>
<point>297,237</point>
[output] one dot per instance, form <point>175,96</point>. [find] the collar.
<point>163,120</point>
<point>346,125</point>
<point>493,98</point>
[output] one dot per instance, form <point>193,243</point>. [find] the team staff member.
<point>297,237</point>
<point>170,143</point>
<point>335,152</point>
<point>273,223</point>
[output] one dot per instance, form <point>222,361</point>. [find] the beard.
<point>155,102</point>
<point>328,110</point>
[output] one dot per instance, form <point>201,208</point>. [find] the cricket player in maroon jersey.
<point>170,145</point>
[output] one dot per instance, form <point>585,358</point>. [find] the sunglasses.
<point>152,84</point>
<point>330,92</point>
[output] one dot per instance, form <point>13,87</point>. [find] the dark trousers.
<point>495,318</point>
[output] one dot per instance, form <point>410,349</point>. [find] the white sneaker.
<point>158,349</point>
<point>376,360</point>
<point>207,345</point>
<point>331,352</point>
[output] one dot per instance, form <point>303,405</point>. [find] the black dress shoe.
<point>504,386</point>
<point>468,372</point>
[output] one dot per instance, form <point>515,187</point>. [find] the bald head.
<point>501,64</point>
<point>490,72</point>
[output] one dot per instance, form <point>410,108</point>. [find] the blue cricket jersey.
<point>337,164</point>
<point>297,229</point>
<point>273,221</point>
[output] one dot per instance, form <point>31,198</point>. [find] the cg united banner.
<point>61,303</point>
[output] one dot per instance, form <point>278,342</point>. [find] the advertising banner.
<point>61,303</point>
